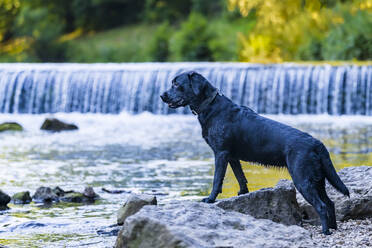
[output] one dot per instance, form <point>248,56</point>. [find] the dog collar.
<point>205,103</point>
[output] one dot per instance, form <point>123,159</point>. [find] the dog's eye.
<point>180,88</point>
<point>175,84</point>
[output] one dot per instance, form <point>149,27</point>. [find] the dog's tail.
<point>331,173</point>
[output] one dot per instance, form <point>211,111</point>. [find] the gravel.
<point>350,233</point>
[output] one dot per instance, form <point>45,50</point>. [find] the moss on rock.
<point>10,126</point>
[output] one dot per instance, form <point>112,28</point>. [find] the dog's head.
<point>189,88</point>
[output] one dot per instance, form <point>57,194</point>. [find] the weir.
<point>134,88</point>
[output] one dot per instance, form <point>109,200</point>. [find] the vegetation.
<point>306,30</point>
<point>185,30</point>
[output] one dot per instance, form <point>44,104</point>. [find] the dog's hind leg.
<point>239,174</point>
<point>330,206</point>
<point>221,160</point>
<point>311,194</point>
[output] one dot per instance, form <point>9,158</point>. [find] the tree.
<point>284,26</point>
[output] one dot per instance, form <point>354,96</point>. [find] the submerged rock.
<point>55,125</point>
<point>88,196</point>
<point>58,191</point>
<point>133,204</point>
<point>22,198</point>
<point>89,192</point>
<point>4,200</point>
<point>359,205</point>
<point>10,126</point>
<point>194,224</point>
<point>44,194</point>
<point>278,204</point>
<point>74,197</point>
<point>108,231</point>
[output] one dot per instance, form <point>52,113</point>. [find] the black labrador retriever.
<point>238,133</point>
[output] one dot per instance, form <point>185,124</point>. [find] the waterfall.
<point>135,87</point>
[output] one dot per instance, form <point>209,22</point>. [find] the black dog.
<point>238,133</point>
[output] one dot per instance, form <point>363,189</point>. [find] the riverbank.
<point>350,234</point>
<point>269,217</point>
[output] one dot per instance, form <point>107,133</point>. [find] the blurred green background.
<point>261,31</point>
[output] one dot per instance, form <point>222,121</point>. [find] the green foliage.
<point>197,30</point>
<point>127,44</point>
<point>191,42</point>
<point>350,40</point>
<point>158,48</point>
<point>105,14</point>
<point>8,12</point>
<point>297,29</point>
<point>225,45</point>
<point>208,7</point>
<point>166,10</point>
<point>45,29</point>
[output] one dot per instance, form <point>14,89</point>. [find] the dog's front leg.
<point>221,160</point>
<point>239,174</point>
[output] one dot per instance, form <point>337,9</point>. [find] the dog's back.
<point>251,137</point>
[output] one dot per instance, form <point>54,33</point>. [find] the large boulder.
<point>55,125</point>
<point>133,204</point>
<point>10,126</point>
<point>195,224</point>
<point>44,194</point>
<point>4,200</point>
<point>22,198</point>
<point>359,205</point>
<point>278,204</point>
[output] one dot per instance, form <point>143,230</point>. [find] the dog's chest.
<point>215,136</point>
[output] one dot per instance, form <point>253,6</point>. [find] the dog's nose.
<point>164,96</point>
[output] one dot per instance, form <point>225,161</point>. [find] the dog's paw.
<point>242,192</point>
<point>208,200</point>
<point>327,232</point>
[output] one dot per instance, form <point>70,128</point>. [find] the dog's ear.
<point>198,82</point>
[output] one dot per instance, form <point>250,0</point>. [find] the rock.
<point>112,230</point>
<point>22,198</point>
<point>88,196</point>
<point>44,194</point>
<point>195,224</point>
<point>359,205</point>
<point>55,125</point>
<point>278,204</point>
<point>10,126</point>
<point>89,192</point>
<point>133,204</point>
<point>4,200</point>
<point>75,197</point>
<point>58,191</point>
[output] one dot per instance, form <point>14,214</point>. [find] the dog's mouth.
<point>176,104</point>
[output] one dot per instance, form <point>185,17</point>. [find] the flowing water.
<point>134,88</point>
<point>125,140</point>
<point>156,154</point>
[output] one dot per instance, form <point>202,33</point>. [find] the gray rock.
<point>22,198</point>
<point>359,205</point>
<point>10,126</point>
<point>89,192</point>
<point>76,197</point>
<point>58,191</point>
<point>55,125</point>
<point>194,224</point>
<point>44,194</point>
<point>278,204</point>
<point>4,200</point>
<point>133,204</point>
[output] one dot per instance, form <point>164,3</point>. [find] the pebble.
<point>350,234</point>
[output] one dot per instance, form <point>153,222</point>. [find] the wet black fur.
<point>238,133</point>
